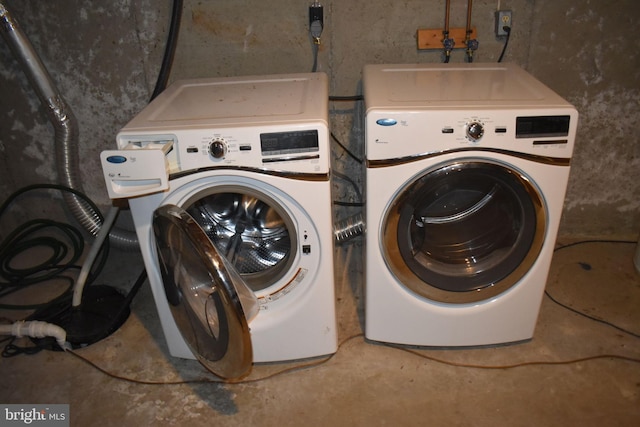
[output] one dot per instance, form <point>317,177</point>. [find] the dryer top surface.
<point>455,86</point>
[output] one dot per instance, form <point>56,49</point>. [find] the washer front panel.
<point>463,231</point>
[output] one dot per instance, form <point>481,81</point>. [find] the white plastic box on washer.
<point>467,168</point>
<point>247,159</point>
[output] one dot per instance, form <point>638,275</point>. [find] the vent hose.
<point>349,228</point>
<point>65,127</point>
<point>65,124</point>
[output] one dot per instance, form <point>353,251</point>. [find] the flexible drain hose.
<point>349,228</point>
<point>65,127</point>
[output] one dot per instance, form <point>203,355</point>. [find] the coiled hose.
<point>65,124</point>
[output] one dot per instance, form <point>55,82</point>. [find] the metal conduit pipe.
<point>349,228</point>
<point>65,127</point>
<point>472,44</point>
<point>447,41</point>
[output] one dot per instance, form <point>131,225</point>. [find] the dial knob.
<point>218,148</point>
<point>475,130</point>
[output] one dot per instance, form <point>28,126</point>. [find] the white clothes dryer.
<point>467,169</point>
<point>228,181</point>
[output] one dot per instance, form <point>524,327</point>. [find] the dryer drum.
<point>463,227</point>
<point>251,232</point>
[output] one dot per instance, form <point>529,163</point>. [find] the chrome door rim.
<point>397,264</point>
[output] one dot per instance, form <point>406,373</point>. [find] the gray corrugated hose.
<point>65,126</point>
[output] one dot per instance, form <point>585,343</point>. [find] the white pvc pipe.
<point>93,253</point>
<point>37,329</point>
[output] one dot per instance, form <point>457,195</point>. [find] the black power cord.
<point>578,312</point>
<point>63,241</point>
<point>410,350</point>
<point>170,49</point>
<point>506,42</point>
<point>316,24</point>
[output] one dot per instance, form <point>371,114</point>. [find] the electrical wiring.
<point>170,49</point>
<point>346,150</point>
<point>344,177</point>
<point>573,310</point>
<point>583,242</point>
<point>355,187</point>
<point>323,361</point>
<point>314,50</point>
<point>595,319</point>
<point>514,365</point>
<point>346,98</point>
<point>316,23</point>
<point>64,242</point>
<point>288,370</point>
<point>397,347</point>
<point>506,43</point>
<point>12,350</point>
<point>333,136</point>
<point>65,245</point>
<point>349,204</point>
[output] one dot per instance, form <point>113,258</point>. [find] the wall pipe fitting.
<point>472,44</point>
<point>447,42</point>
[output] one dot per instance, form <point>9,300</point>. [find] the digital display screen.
<point>305,141</point>
<point>540,126</point>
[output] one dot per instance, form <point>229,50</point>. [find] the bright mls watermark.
<point>34,415</point>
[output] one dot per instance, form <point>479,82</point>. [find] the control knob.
<point>218,148</point>
<point>475,130</point>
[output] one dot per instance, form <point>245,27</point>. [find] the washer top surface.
<point>230,101</point>
<point>443,86</point>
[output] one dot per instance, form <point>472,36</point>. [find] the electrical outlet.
<point>503,19</point>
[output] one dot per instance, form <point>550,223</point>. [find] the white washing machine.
<point>228,182</point>
<point>467,168</point>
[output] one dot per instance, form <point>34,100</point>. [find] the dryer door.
<point>464,231</point>
<point>210,303</point>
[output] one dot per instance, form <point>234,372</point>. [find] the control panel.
<point>396,135</point>
<point>143,162</point>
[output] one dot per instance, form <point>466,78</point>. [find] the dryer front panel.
<point>464,231</point>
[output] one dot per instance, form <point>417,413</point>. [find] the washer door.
<point>209,301</point>
<point>464,231</point>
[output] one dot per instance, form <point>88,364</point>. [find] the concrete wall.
<point>105,56</point>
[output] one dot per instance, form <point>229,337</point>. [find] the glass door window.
<point>464,231</point>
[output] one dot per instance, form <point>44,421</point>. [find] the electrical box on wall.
<point>503,19</point>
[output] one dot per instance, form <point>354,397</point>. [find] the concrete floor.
<point>365,383</point>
